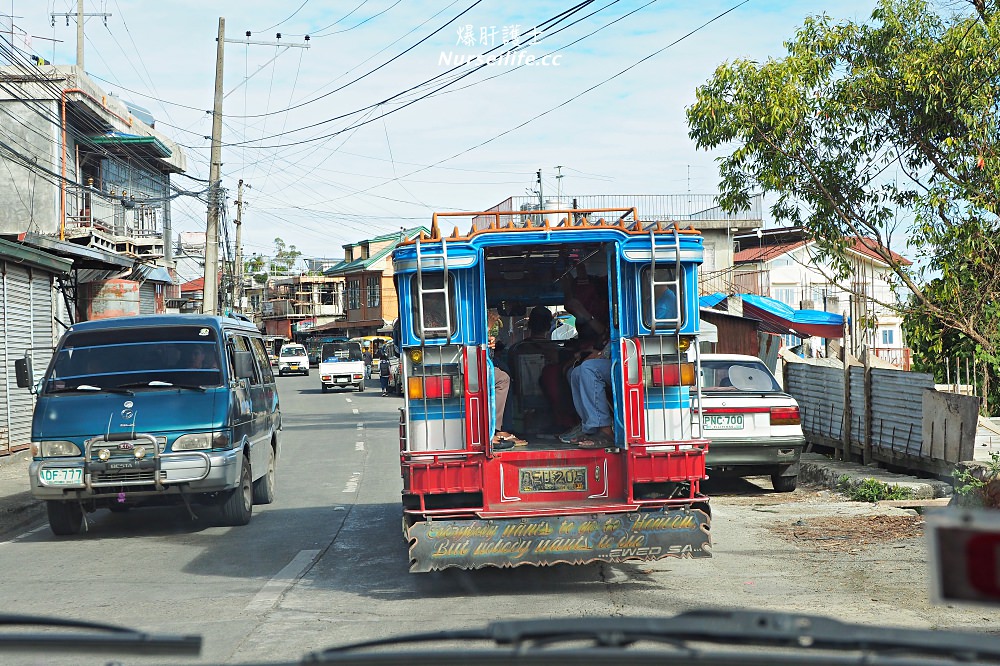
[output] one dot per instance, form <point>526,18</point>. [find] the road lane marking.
<point>349,400</point>
<point>24,535</point>
<point>355,410</point>
<point>281,581</point>
<point>359,446</point>
<point>352,483</point>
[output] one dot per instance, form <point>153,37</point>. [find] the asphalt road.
<point>326,563</point>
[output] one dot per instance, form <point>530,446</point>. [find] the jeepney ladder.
<point>445,328</point>
<point>674,284</point>
<point>422,291</point>
<point>658,323</point>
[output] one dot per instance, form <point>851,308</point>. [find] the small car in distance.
<point>754,426</point>
<point>293,358</point>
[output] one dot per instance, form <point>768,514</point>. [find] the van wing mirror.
<point>243,362</point>
<point>22,371</point>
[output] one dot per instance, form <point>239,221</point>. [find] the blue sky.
<point>627,136</point>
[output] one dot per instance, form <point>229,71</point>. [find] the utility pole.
<point>559,185</point>
<point>238,288</point>
<point>210,300</point>
<point>79,33</point>
<point>80,15</point>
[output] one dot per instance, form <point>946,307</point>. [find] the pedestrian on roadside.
<point>383,374</point>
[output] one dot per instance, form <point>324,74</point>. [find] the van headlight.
<point>55,449</point>
<point>197,441</point>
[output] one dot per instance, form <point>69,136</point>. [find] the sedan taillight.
<point>785,416</point>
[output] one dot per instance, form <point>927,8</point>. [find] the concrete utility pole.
<point>210,301</point>
<point>238,287</point>
<point>80,16</point>
<point>79,33</point>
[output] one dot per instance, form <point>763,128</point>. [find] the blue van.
<point>151,410</point>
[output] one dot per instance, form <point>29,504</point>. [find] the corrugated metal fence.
<point>911,425</point>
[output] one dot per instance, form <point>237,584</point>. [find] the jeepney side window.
<point>669,304</point>
<point>434,309</point>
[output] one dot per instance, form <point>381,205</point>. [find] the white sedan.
<point>754,426</point>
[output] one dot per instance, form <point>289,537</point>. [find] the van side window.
<point>263,361</point>
<point>240,343</point>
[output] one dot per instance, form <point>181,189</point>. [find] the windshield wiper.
<point>90,387</point>
<point>720,627</point>
<point>104,638</point>
<point>158,384</point>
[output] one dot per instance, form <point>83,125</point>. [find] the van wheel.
<point>784,484</point>
<point>361,386</point>
<point>238,507</point>
<point>263,488</point>
<point>65,518</point>
<point>323,386</point>
<point>306,373</point>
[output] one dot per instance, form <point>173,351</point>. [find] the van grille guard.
<point>107,468</point>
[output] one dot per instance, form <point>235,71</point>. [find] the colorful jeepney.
<point>469,503</point>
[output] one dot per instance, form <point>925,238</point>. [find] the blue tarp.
<point>781,318</point>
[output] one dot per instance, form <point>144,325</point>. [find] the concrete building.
<point>783,264</point>
<point>86,179</point>
<point>370,303</point>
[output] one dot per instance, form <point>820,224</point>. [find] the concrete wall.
<point>28,201</point>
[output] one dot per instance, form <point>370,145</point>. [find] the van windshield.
<point>341,351</point>
<point>136,358</point>
<point>293,350</point>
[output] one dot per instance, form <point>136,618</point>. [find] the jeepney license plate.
<point>61,476</point>
<point>553,479</point>
<point>723,421</point>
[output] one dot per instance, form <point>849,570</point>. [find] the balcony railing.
<point>898,356</point>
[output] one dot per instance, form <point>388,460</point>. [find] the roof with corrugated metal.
<point>20,253</point>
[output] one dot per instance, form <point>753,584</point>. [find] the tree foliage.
<point>879,130</point>
<point>284,257</point>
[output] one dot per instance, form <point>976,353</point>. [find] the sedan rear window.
<point>751,376</point>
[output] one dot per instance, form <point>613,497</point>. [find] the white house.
<point>784,265</point>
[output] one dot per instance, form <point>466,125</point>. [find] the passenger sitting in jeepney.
<point>590,378</point>
<point>501,388</point>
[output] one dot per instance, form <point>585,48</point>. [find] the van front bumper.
<point>170,473</point>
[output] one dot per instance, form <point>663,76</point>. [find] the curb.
<point>818,470</point>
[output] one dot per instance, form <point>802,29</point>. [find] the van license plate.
<point>61,476</point>
<point>723,421</point>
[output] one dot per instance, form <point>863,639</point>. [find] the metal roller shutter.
<point>42,304</point>
<point>17,323</point>
<point>147,298</point>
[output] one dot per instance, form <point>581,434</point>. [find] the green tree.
<point>879,130</point>
<point>284,257</point>
<point>255,265</point>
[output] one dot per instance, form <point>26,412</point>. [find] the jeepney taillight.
<point>670,374</point>
<point>441,386</point>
